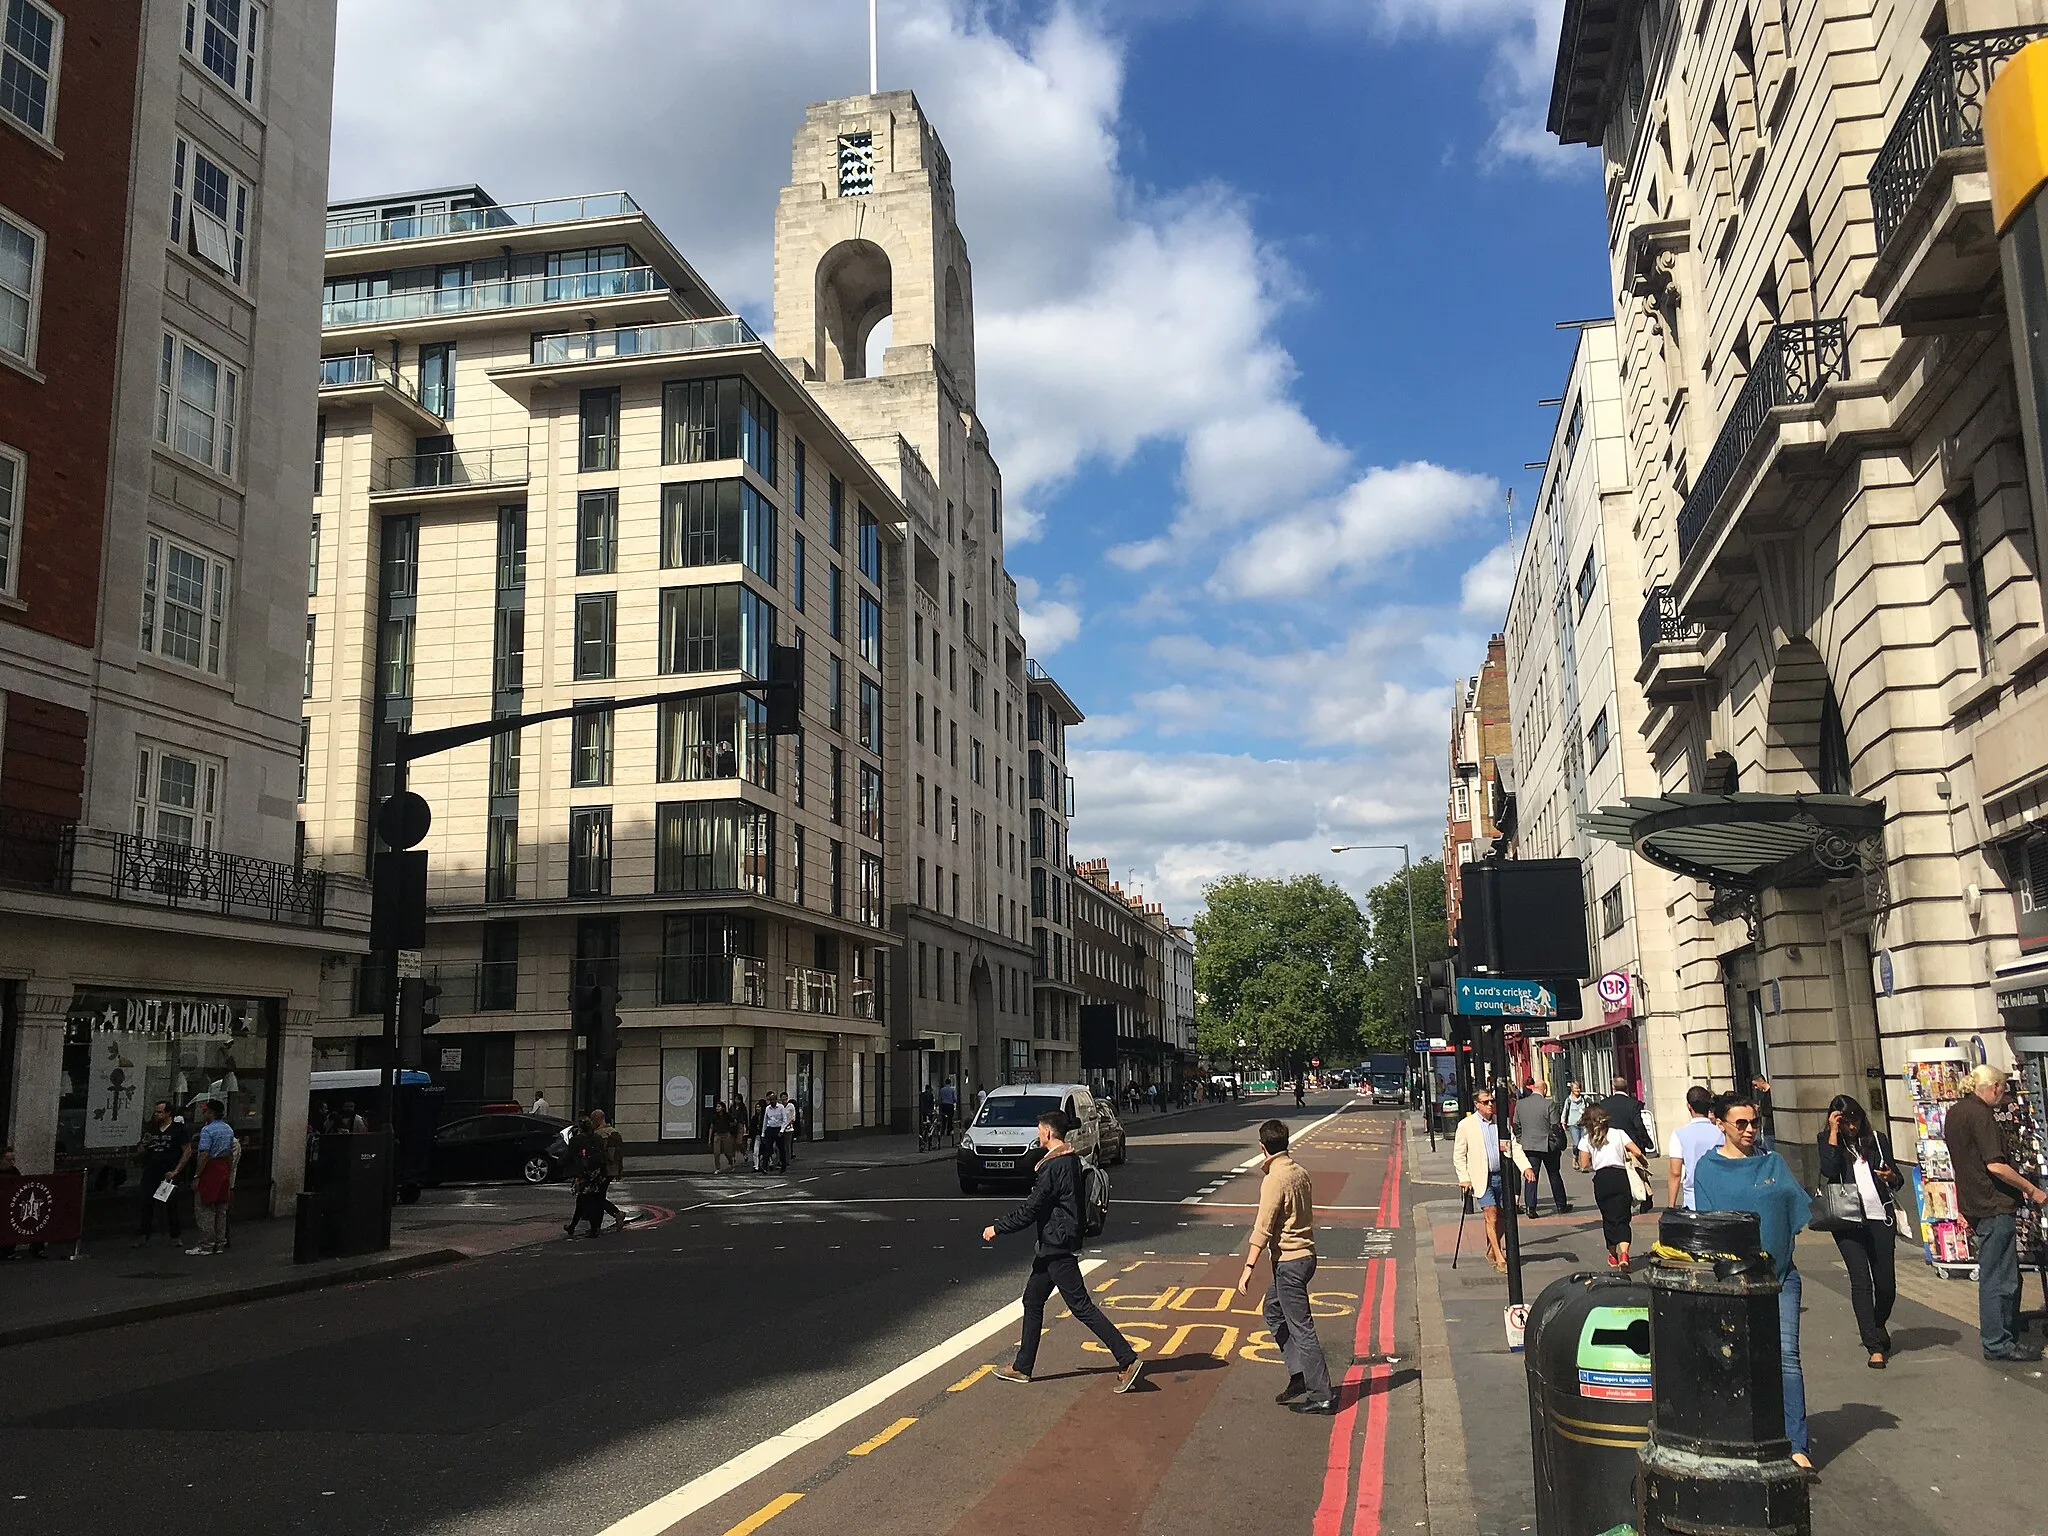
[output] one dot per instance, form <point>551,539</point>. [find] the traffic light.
<point>430,1012</point>
<point>417,1013</point>
<point>604,1023</point>
<point>1440,1002</point>
<point>785,689</point>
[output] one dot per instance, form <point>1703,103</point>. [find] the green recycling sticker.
<point>1614,1354</point>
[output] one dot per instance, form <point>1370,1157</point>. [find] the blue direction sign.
<point>1500,997</point>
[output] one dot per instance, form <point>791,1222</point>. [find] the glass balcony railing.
<point>505,293</point>
<point>660,981</point>
<point>361,368</point>
<point>367,228</point>
<point>811,991</point>
<point>644,340</point>
<point>451,469</point>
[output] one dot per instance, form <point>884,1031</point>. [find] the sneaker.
<point>1131,1374</point>
<point>201,1248</point>
<point>1008,1373</point>
<point>1294,1388</point>
<point>2024,1353</point>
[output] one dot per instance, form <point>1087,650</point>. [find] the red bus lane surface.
<point>1200,1447</point>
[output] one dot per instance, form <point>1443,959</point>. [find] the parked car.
<point>479,1147</point>
<point>1111,1145</point>
<point>1001,1145</point>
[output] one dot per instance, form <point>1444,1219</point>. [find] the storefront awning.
<point>1749,842</point>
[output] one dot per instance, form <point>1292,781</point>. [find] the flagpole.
<point>874,73</point>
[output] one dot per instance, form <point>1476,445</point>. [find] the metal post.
<point>1510,1177</point>
<point>387,963</point>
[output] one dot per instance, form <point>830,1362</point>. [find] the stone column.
<point>38,1074</point>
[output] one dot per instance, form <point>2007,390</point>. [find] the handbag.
<point>1836,1208</point>
<point>1556,1139</point>
<point>1638,1189</point>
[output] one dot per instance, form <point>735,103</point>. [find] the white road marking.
<point>711,1486</point>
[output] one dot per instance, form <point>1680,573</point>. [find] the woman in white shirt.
<point>1608,1154</point>
<point>1852,1153</point>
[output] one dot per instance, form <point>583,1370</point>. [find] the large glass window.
<point>718,522</point>
<point>13,481</point>
<point>511,549</point>
<point>505,764</point>
<point>497,979</point>
<point>437,378</point>
<point>871,632</point>
<point>870,800</point>
<point>196,402</point>
<point>29,50</point>
<point>597,533</point>
<point>590,851</point>
<point>722,738</point>
<point>209,209</point>
<point>177,797</point>
<point>598,434</point>
<point>184,605</point>
<point>596,614</point>
<point>835,598</point>
<point>590,750</point>
<point>870,546</point>
<point>508,651</point>
<point>703,420</point>
<point>715,629</point>
<point>705,958</point>
<point>870,910</point>
<point>226,37</point>
<point>501,853</point>
<point>713,845</point>
<point>796,573</point>
<point>869,725</point>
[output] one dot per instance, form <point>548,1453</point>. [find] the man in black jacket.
<point>1625,1113</point>
<point>1056,1209</point>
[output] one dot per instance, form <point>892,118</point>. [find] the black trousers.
<point>1064,1271</point>
<point>1868,1255</point>
<point>1537,1162</point>
<point>1617,1205</point>
<point>173,1222</point>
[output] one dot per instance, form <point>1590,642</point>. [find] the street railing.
<point>52,854</point>
<point>644,340</point>
<point>503,293</point>
<point>1795,362</point>
<point>368,229</point>
<point>451,469</point>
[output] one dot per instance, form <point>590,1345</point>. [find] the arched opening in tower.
<point>853,299</point>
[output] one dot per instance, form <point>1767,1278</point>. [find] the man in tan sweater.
<point>1286,1227</point>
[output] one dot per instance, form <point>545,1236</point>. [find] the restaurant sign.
<point>157,1017</point>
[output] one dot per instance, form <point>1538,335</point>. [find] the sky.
<point>1268,293</point>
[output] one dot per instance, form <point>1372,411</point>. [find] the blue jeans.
<point>1491,1195</point>
<point>1998,1284</point>
<point>1788,1361</point>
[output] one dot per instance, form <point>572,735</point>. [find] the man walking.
<point>1688,1144</point>
<point>166,1147</point>
<point>1286,1228</point>
<point>1475,1156</point>
<point>1056,1209</point>
<point>1541,1134</point>
<point>611,1151</point>
<point>1300,1089</point>
<point>949,1100</point>
<point>1988,1192</point>
<point>215,1181</point>
<point>1625,1113</point>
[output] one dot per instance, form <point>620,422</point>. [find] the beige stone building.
<point>1839,556</point>
<point>159,265</point>
<point>1056,991</point>
<point>1577,713</point>
<point>555,469</point>
<point>1481,741</point>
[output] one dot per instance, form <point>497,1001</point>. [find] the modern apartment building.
<point>159,265</point>
<point>555,469</point>
<point>1572,654</point>
<point>1481,744</point>
<point>1841,606</point>
<point>1056,991</point>
<point>865,233</point>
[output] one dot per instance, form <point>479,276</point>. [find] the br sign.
<point>1499,997</point>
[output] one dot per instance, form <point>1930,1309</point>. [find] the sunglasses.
<point>1740,1125</point>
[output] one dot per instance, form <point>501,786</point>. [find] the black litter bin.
<point>1587,1350</point>
<point>355,1193</point>
<point>1717,1458</point>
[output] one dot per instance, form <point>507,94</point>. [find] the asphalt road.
<point>567,1387</point>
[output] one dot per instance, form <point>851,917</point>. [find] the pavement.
<point>1901,1452</point>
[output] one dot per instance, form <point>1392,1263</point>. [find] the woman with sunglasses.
<point>1853,1153</point>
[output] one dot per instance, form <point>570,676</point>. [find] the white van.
<point>1001,1145</point>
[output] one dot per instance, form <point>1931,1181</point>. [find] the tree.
<point>1280,965</point>
<point>1388,1006</point>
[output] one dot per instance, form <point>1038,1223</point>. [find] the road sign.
<point>408,965</point>
<point>1500,997</point>
<point>402,821</point>
<point>1517,1320</point>
<point>1418,1045</point>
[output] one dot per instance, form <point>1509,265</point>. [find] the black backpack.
<point>1093,1187</point>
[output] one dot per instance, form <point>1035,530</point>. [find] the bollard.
<point>306,1219</point>
<point>1588,1360</point>
<point>1717,1458</point>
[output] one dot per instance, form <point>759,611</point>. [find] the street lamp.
<point>1414,964</point>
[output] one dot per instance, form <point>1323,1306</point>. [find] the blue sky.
<point>1267,292</point>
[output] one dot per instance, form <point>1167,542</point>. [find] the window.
<point>871,631</point>
<point>834,600</point>
<point>920,803</point>
<point>184,605</point>
<point>305,761</point>
<point>974,760</point>
<point>395,657</point>
<point>1596,739</point>
<point>177,797</point>
<point>953,742</point>
<point>712,845</point>
<point>868,726</point>
<point>312,624</point>
<point>29,51</point>
<point>508,651</point>
<point>870,804</point>
<point>721,738</point>
<point>226,37</point>
<point>590,750</point>
<point>505,764</point>
<point>796,573</point>
<point>1461,801</point>
<point>498,973</point>
<point>796,767</point>
<point>718,522</point>
<point>953,817</point>
<point>1962,511</point>
<point>501,854</point>
<point>974,689</point>
<point>590,851</point>
<point>598,431</point>
<point>209,209</point>
<point>1585,582</point>
<point>870,545</point>
<point>796,866</point>
<point>835,693</point>
<point>1610,911</point>
<point>21,283</point>
<point>13,485</point>
<point>511,549</point>
<point>835,874</point>
<point>703,420</point>
<point>917,717</point>
<point>715,629</point>
<point>597,533</point>
<point>835,509</point>
<point>869,909</point>
<point>796,478</point>
<point>437,378</point>
<point>196,402</point>
<point>856,164</point>
<point>838,786</point>
<point>319,469</point>
<point>596,615</point>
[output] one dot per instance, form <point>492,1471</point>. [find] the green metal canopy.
<point>1749,842</point>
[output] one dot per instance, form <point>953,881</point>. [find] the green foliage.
<point>1280,965</point>
<point>1388,1010</point>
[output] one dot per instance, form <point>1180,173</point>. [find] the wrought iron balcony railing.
<point>644,340</point>
<point>450,469</point>
<point>367,229</point>
<point>1795,362</point>
<point>505,293</point>
<point>1662,624</point>
<point>1943,111</point>
<point>48,853</point>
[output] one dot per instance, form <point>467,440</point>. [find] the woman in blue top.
<point>1738,1177</point>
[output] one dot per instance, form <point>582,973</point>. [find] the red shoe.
<point>1613,1262</point>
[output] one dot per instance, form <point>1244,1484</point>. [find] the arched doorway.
<point>854,296</point>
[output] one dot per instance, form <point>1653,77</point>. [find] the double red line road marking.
<point>1362,1393</point>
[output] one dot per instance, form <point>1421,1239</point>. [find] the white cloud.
<point>1383,512</point>
<point>1488,585</point>
<point>1048,622</point>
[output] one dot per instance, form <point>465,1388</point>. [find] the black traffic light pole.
<point>403,819</point>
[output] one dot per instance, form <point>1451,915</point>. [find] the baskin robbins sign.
<point>1617,996</point>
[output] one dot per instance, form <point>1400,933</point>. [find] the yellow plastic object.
<point>2016,131</point>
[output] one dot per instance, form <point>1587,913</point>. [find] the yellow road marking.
<point>764,1514</point>
<point>970,1379</point>
<point>885,1436</point>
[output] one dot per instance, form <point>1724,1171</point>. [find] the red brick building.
<point>1481,744</point>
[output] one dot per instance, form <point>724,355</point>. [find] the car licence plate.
<point>1002,1163</point>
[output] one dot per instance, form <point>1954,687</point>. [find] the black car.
<point>496,1147</point>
